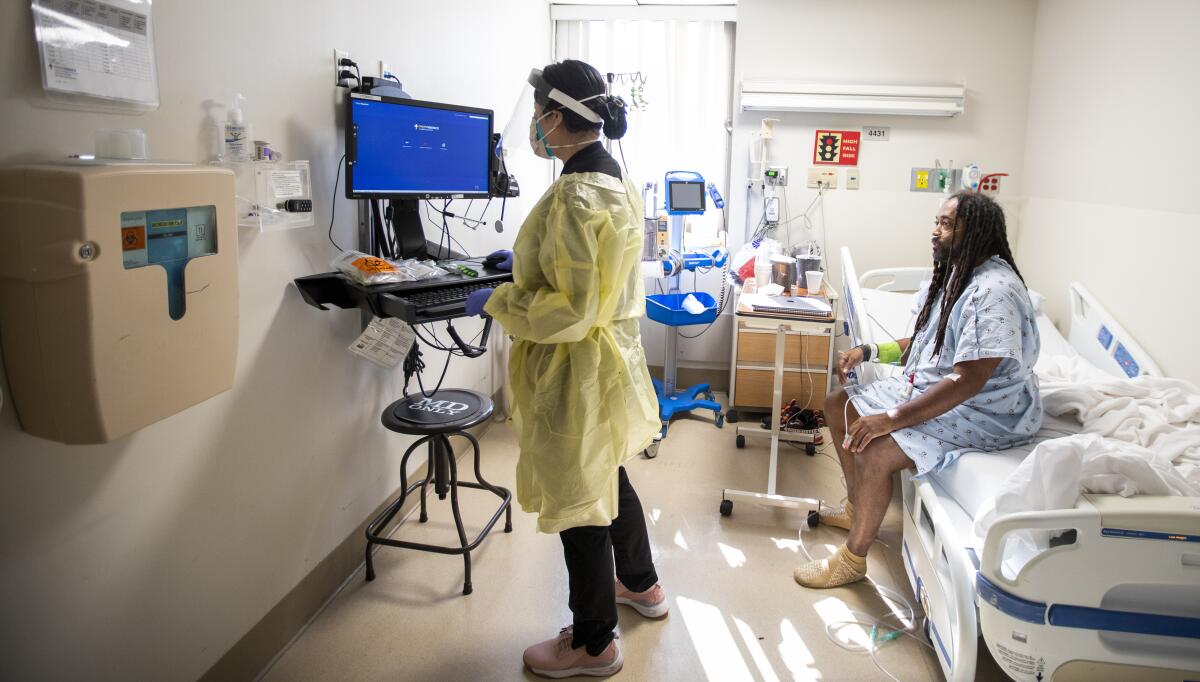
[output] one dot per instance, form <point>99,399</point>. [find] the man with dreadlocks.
<point>968,381</point>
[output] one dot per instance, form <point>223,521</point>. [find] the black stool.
<point>435,418</point>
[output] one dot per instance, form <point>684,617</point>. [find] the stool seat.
<point>437,418</point>
<point>445,411</point>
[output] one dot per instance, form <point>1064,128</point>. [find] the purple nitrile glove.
<point>503,259</point>
<point>476,300</point>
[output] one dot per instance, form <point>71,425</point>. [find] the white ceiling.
<point>644,2</point>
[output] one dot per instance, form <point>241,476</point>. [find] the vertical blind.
<point>686,84</point>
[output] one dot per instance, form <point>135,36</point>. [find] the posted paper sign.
<point>286,184</point>
<point>384,342</point>
<point>97,48</point>
<point>836,147</point>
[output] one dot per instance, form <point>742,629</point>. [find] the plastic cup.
<point>813,279</point>
<point>762,274</point>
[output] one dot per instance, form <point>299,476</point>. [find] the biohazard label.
<point>133,238</point>
<point>373,265</point>
<point>836,147</point>
<point>1020,665</point>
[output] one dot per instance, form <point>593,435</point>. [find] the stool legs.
<point>462,534</point>
<point>386,516</point>
<point>442,466</point>
<point>488,486</point>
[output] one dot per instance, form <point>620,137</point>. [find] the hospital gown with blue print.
<point>993,318</point>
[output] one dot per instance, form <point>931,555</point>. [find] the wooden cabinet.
<point>806,360</point>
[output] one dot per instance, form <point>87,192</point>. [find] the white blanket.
<point>1140,436</point>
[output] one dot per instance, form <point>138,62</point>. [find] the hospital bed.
<point>1111,591</point>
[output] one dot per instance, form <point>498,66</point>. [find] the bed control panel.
<point>1126,361</point>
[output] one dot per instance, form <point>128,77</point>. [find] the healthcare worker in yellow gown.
<point>583,401</point>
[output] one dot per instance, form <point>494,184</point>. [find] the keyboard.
<point>444,298</point>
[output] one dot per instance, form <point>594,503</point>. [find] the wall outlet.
<point>852,178</point>
<point>990,184</point>
<point>822,178</point>
<point>338,55</point>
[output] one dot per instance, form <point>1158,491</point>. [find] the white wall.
<point>148,557</point>
<point>1110,171</point>
<point>985,45</point>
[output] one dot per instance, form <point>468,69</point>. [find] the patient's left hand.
<point>866,429</point>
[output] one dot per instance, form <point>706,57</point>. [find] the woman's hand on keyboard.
<point>476,300</point>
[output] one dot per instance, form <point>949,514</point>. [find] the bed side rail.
<point>962,573</point>
<point>895,279</point>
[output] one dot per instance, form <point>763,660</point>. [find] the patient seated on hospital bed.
<point>968,381</point>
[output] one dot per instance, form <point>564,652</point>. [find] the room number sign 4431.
<point>876,133</point>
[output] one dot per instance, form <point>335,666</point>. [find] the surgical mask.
<point>535,90</point>
<point>537,139</point>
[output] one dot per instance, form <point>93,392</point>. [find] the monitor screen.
<point>407,148</point>
<point>687,196</point>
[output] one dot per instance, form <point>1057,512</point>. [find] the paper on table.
<point>100,49</point>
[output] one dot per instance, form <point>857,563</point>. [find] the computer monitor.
<point>408,149</point>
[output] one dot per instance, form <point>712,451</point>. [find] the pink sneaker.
<point>651,603</point>
<point>555,658</point>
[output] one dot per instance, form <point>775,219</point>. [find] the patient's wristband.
<point>868,351</point>
<point>889,353</point>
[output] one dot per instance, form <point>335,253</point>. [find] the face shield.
<point>522,136</point>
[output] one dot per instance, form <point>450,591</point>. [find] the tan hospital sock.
<point>842,568</point>
<point>838,518</point>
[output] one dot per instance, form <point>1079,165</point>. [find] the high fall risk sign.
<point>836,147</point>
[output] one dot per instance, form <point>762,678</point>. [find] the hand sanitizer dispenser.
<point>118,294</point>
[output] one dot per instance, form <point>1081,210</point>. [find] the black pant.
<point>590,552</point>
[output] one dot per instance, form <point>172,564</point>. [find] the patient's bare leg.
<point>835,403</point>
<point>876,465</point>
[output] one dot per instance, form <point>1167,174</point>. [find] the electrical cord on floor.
<point>874,624</point>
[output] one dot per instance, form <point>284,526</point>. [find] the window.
<point>677,120</point>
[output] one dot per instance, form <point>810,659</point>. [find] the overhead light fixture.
<point>847,98</point>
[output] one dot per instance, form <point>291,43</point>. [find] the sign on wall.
<point>836,147</point>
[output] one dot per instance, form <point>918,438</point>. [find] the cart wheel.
<point>810,449</point>
<point>663,434</point>
<point>720,421</point>
<point>740,441</point>
<point>814,518</point>
<point>651,450</point>
<point>726,507</point>
<point>731,416</point>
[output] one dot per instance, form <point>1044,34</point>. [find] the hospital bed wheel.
<point>810,449</point>
<point>731,416</point>
<point>814,518</point>
<point>740,441</point>
<point>720,421</point>
<point>727,506</point>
